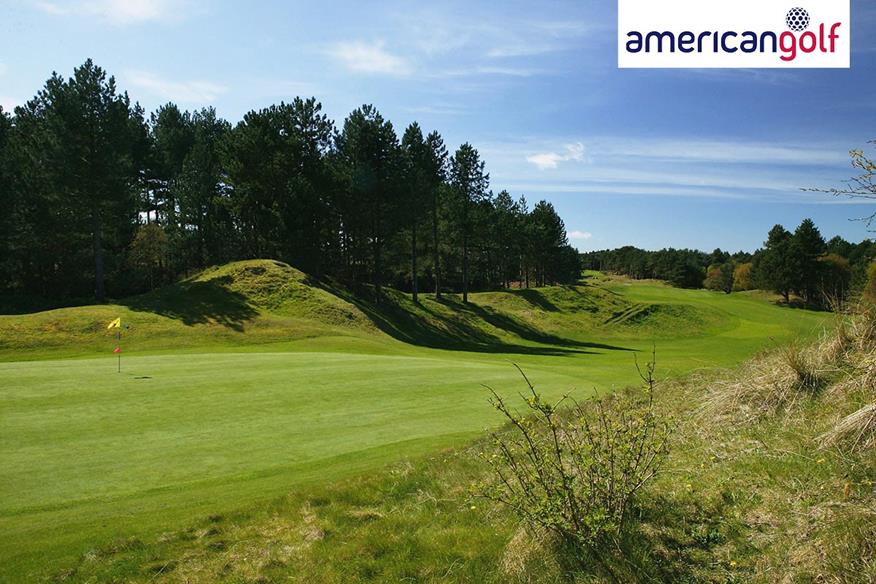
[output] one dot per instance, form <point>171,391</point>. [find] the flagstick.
<point>120,349</point>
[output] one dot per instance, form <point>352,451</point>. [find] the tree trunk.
<point>201,248</point>
<point>378,261</point>
<point>99,291</point>
<point>465,269</point>
<point>414,290</point>
<point>317,231</point>
<point>376,247</point>
<point>436,256</point>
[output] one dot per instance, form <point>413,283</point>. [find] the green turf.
<point>251,380</point>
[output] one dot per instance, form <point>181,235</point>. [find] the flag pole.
<point>120,349</point>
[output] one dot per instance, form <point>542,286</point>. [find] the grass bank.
<point>770,479</point>
<point>251,380</point>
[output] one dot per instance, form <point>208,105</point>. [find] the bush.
<point>719,277</point>
<point>575,471</point>
<point>742,277</point>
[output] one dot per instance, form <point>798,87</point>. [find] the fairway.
<point>90,455</point>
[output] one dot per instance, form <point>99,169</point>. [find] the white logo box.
<point>725,17</point>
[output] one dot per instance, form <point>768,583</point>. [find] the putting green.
<point>90,455</point>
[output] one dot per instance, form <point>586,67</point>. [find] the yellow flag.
<point>117,323</point>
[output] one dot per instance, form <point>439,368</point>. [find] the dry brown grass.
<point>863,327</point>
<point>241,553</point>
<point>842,362</point>
<point>837,342</point>
<point>774,382</point>
<point>853,433</point>
<point>859,370</point>
<point>771,415</point>
<point>526,552</point>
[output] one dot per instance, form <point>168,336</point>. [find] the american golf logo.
<point>797,19</point>
<point>700,35</point>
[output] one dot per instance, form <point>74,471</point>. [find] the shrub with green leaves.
<point>574,468</point>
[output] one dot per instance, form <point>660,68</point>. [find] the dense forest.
<point>801,263</point>
<point>100,200</point>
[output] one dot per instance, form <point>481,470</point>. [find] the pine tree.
<point>369,151</point>
<point>415,162</point>
<point>436,177</point>
<point>548,236</point>
<point>83,147</point>
<point>173,136</point>
<point>508,221</point>
<point>201,194</point>
<point>807,247</point>
<point>8,202</point>
<point>775,267</point>
<point>81,172</point>
<point>470,186</point>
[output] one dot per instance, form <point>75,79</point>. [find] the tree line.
<point>799,264</point>
<point>100,199</point>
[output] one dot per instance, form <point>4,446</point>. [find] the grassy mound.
<point>783,495</point>
<point>257,302</point>
<point>251,380</point>
<point>243,303</point>
<point>281,289</point>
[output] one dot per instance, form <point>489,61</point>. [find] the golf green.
<point>90,455</point>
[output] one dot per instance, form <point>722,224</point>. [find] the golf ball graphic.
<point>797,19</point>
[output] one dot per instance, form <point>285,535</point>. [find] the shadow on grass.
<point>667,541</point>
<point>444,324</point>
<point>197,303</point>
<point>800,304</point>
<point>525,330</point>
<point>18,304</point>
<point>536,298</point>
<point>460,326</point>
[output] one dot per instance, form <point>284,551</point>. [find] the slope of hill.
<point>770,479</point>
<point>260,302</point>
<point>252,302</point>
<point>251,380</point>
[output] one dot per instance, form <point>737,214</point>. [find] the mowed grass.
<point>251,381</point>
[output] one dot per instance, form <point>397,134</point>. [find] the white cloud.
<point>572,29</point>
<point>669,167</point>
<point>523,49</point>
<point>650,151</point>
<point>482,71</point>
<point>508,71</point>
<point>720,152</point>
<point>52,8</point>
<point>196,92</point>
<point>370,58</point>
<point>548,160</point>
<point>439,109</point>
<point>119,12</point>
<point>545,160</point>
<point>540,38</point>
<point>432,35</point>
<point>585,235</point>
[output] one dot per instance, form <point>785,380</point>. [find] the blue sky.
<point>696,158</point>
